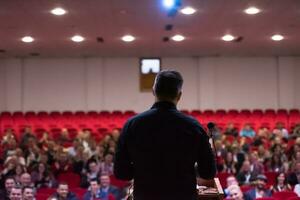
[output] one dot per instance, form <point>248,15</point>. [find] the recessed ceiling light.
<point>228,38</point>
<point>277,37</point>
<point>128,38</point>
<point>252,11</point>
<point>188,11</point>
<point>27,39</point>
<point>178,38</point>
<point>58,11</point>
<point>77,38</point>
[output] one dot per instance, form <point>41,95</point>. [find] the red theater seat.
<point>284,195</point>
<point>71,178</point>
<point>267,198</point>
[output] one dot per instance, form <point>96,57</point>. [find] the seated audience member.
<point>280,131</point>
<point>19,170</point>
<point>293,177</point>
<point>27,138</point>
<point>25,180</point>
<point>231,180</point>
<point>276,163</point>
<point>63,193</point>
<point>281,184</point>
<point>107,165</point>
<point>231,130</point>
<point>235,193</point>
<point>106,188</point>
<point>64,137</point>
<point>62,164</point>
<point>296,131</point>
<point>9,183</point>
<point>245,176</point>
<point>94,192</point>
<point>28,193</point>
<point>256,167</point>
<point>8,136</point>
<point>93,172</point>
<point>44,140</point>
<point>247,131</point>
<point>260,189</point>
<point>41,176</point>
<point>16,193</point>
<point>229,164</point>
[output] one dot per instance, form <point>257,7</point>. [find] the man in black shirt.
<point>159,148</point>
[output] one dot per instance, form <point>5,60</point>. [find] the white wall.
<point>112,83</point>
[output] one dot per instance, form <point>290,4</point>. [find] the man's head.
<point>16,193</point>
<point>231,180</point>
<point>261,181</point>
<point>9,183</point>
<point>25,179</point>
<point>28,193</point>
<point>104,180</point>
<point>167,86</point>
<point>93,166</point>
<point>94,184</point>
<point>63,190</point>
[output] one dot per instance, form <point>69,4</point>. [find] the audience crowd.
<point>31,165</point>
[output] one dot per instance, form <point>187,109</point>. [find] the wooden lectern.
<point>212,191</point>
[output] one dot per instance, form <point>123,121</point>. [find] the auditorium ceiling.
<point>109,20</point>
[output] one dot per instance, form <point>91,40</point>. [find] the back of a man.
<point>159,148</point>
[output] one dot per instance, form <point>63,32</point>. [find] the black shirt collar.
<point>164,105</point>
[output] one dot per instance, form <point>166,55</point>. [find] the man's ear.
<point>179,95</point>
<point>153,92</point>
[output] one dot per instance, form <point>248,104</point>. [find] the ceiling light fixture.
<point>228,38</point>
<point>252,10</point>
<point>169,3</point>
<point>58,11</point>
<point>128,38</point>
<point>277,37</point>
<point>77,38</point>
<point>27,39</point>
<point>178,38</point>
<point>188,11</point>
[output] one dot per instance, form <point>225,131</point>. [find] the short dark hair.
<point>27,187</point>
<point>10,177</point>
<point>95,180</point>
<point>168,84</point>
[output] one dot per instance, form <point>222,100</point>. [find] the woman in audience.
<point>19,170</point>
<point>281,184</point>
<point>229,164</point>
<point>234,193</point>
<point>42,177</point>
<point>107,165</point>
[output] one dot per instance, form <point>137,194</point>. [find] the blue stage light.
<point>169,3</point>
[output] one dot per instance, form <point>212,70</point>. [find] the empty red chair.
<point>293,198</point>
<point>42,196</point>
<point>284,194</point>
<point>71,178</point>
<point>267,198</point>
<point>47,191</point>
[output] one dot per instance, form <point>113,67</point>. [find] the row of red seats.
<point>99,122</point>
